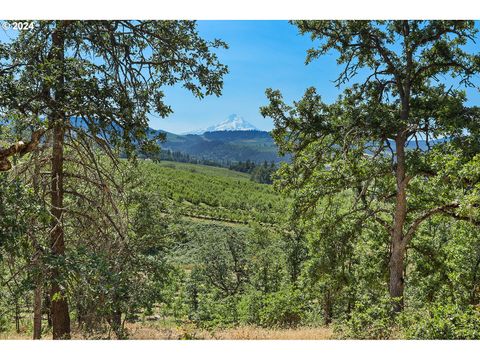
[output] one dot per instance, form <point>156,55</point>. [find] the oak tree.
<point>396,140</point>
<point>65,79</point>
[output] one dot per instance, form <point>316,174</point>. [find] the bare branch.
<point>20,148</point>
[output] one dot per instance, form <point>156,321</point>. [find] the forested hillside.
<point>225,146</point>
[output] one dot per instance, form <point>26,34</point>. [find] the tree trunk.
<point>37,311</point>
<point>37,294</point>
<point>46,308</point>
<point>116,321</point>
<point>17,316</point>
<point>59,305</point>
<point>80,314</point>
<point>327,308</point>
<point>398,246</point>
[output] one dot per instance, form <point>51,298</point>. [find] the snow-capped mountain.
<point>231,123</point>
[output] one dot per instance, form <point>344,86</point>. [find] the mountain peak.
<point>233,122</point>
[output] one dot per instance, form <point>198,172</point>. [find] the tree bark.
<point>37,311</point>
<point>59,306</point>
<point>37,294</point>
<point>398,246</point>
<point>17,316</point>
<point>116,323</point>
<point>46,308</point>
<point>327,308</point>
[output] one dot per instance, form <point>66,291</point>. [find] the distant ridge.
<point>224,146</point>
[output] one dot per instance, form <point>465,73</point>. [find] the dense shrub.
<point>284,308</point>
<point>214,311</point>
<point>3,323</point>
<point>249,308</point>
<point>368,320</point>
<point>442,321</point>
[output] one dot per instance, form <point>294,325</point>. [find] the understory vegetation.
<point>198,271</point>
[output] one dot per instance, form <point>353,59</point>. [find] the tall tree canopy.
<point>64,81</point>
<point>404,145</point>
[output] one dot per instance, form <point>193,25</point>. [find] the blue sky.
<point>261,54</point>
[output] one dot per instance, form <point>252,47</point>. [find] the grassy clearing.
<point>148,331</point>
<point>161,331</point>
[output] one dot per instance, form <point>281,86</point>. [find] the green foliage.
<point>221,258</point>
<point>215,193</point>
<point>18,204</point>
<point>21,216</point>
<point>442,321</point>
<point>369,319</point>
<point>127,272</point>
<point>395,155</point>
<point>250,306</point>
<point>262,173</point>
<point>4,321</point>
<point>88,86</point>
<point>216,312</point>
<point>110,83</point>
<point>444,263</point>
<point>205,246</point>
<point>266,263</point>
<point>240,276</point>
<point>294,247</point>
<point>283,308</point>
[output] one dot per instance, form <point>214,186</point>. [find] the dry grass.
<point>253,333</point>
<point>154,331</point>
<point>14,336</point>
<point>159,331</point>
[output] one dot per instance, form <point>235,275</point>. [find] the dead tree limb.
<point>21,148</point>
